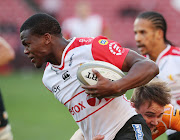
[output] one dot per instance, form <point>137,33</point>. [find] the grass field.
<point>33,111</point>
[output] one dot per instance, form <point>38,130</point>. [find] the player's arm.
<point>140,71</point>
<point>6,52</point>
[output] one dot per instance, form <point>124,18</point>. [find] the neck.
<point>59,46</point>
<point>156,51</point>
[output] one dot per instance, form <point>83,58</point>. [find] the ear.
<point>133,105</point>
<point>47,38</point>
<point>159,34</point>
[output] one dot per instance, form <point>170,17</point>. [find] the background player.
<point>150,34</point>
<point>6,55</point>
<point>85,24</point>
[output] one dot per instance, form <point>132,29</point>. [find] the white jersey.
<point>93,116</point>
<point>76,27</point>
<point>169,67</point>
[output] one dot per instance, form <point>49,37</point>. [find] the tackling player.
<point>149,101</point>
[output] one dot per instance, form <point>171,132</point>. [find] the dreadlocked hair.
<point>158,21</point>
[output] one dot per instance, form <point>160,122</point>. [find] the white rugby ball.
<point>107,70</point>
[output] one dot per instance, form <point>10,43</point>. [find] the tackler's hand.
<point>98,137</point>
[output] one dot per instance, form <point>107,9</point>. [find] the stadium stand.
<point>122,25</point>
<point>119,14</point>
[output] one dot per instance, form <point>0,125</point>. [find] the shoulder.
<point>112,47</point>
<point>175,50</point>
<point>168,110</point>
<point>80,41</point>
<point>104,49</point>
<point>101,40</point>
<point>171,116</point>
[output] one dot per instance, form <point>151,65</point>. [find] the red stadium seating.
<point>115,13</point>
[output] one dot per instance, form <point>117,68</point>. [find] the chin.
<point>142,51</point>
<point>37,66</point>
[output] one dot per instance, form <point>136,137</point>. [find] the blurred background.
<point>33,111</point>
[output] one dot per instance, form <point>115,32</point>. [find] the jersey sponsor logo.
<point>56,89</point>
<point>138,131</point>
<point>66,76</point>
<point>115,48</point>
<point>85,40</point>
<point>93,101</point>
<point>103,42</point>
<point>176,52</point>
<point>77,108</point>
<point>167,109</point>
<point>93,76</point>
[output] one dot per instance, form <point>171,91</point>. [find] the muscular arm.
<point>6,52</point>
<point>140,71</point>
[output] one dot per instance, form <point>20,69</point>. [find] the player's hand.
<point>103,88</point>
<point>98,137</point>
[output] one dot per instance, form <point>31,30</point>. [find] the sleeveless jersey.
<point>170,120</point>
<point>93,116</point>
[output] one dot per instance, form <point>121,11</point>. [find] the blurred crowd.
<point>113,19</point>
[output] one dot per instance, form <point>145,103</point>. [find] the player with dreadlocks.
<point>150,35</point>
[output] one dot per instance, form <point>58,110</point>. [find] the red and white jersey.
<point>93,116</point>
<point>169,67</point>
<point>91,27</point>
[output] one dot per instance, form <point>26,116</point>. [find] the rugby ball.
<point>107,70</point>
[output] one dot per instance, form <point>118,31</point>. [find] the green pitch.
<point>34,112</point>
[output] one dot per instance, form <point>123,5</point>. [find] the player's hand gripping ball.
<point>107,70</point>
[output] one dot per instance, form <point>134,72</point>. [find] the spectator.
<point>85,24</point>
<point>51,7</point>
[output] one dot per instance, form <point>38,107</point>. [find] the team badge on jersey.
<point>66,76</point>
<point>138,131</point>
<point>115,48</point>
<point>103,42</point>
